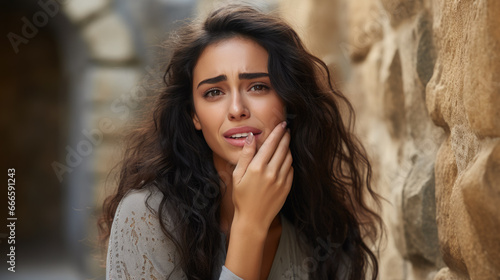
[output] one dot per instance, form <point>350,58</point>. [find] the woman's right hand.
<point>261,183</point>
<point>262,180</point>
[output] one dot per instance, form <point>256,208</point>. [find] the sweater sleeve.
<point>226,274</point>
<point>138,248</point>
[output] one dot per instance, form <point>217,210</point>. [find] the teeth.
<point>239,135</point>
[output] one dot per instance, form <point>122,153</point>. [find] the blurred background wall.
<point>423,76</point>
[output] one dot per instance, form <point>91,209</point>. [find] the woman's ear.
<point>196,122</point>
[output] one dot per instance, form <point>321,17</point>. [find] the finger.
<point>246,156</point>
<point>281,152</point>
<point>267,149</point>
<point>286,166</point>
<point>289,179</point>
<point>287,186</point>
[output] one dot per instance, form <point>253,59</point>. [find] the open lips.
<point>236,136</point>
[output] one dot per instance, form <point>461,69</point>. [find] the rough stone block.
<point>446,211</point>
<point>481,192</point>
<point>419,214</point>
<point>482,91</point>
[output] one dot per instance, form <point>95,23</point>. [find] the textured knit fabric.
<point>138,249</point>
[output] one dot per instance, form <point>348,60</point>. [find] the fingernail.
<point>283,124</point>
<point>249,138</point>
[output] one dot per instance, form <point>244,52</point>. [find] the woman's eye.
<point>213,93</point>
<point>258,88</point>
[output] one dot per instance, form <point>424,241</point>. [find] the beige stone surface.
<point>446,207</point>
<point>462,97</point>
<point>481,95</point>
<point>471,64</point>
<point>481,195</point>
<point>109,39</point>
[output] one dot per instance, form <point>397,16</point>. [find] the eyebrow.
<point>249,76</point>
<point>241,76</point>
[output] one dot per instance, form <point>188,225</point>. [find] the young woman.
<point>245,168</point>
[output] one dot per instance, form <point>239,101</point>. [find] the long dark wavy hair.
<point>331,171</point>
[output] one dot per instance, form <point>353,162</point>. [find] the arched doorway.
<point>35,123</point>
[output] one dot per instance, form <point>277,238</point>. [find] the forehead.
<point>233,55</point>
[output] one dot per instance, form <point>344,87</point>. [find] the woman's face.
<point>232,97</point>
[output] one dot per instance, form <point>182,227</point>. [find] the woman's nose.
<point>238,109</point>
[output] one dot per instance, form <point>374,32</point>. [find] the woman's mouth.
<point>237,136</point>
<point>239,139</point>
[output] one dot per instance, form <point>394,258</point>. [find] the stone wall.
<point>424,78</point>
